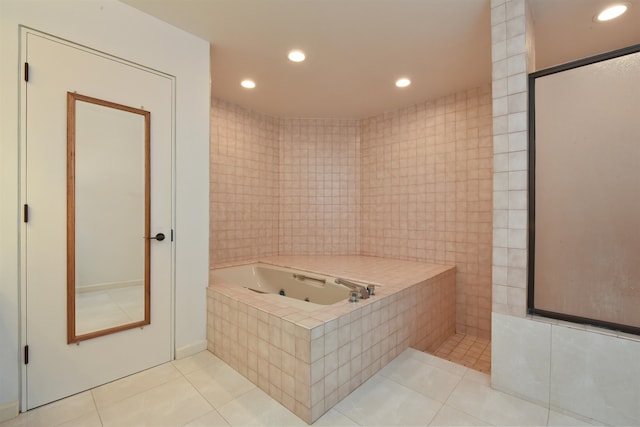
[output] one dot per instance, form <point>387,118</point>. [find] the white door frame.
<point>22,137</point>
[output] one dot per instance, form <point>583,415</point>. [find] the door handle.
<point>159,237</point>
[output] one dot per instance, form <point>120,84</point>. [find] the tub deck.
<point>310,360</point>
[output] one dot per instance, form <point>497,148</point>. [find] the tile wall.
<point>244,184</point>
<point>415,184</point>
<point>319,187</point>
<point>282,186</point>
<point>426,185</point>
<point>512,59</point>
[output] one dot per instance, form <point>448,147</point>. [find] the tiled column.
<point>512,59</point>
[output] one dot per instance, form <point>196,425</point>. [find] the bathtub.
<point>310,291</point>
<point>310,355</point>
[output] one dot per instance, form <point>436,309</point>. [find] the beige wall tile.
<point>414,184</point>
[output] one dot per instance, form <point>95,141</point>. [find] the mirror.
<point>108,182</point>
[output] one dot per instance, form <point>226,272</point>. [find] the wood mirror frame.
<point>72,334</point>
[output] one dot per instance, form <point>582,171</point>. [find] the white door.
<point>56,369</point>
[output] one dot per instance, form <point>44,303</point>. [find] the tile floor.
<point>467,350</point>
<point>414,389</point>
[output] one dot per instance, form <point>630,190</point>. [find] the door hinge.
<point>172,234</point>
<point>25,213</point>
<point>26,354</point>
<point>26,71</point>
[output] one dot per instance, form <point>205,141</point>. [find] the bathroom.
<point>491,287</point>
<point>472,206</point>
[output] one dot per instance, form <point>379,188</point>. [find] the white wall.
<point>120,30</point>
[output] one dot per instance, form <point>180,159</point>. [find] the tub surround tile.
<point>317,349</point>
<point>288,343</point>
<point>310,323</point>
<point>319,186</point>
<point>327,357</point>
<point>303,350</point>
<point>244,162</point>
<point>288,384</point>
<point>425,164</point>
<point>317,370</point>
<point>330,342</point>
<point>384,272</point>
<point>374,186</point>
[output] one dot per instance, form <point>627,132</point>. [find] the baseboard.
<point>191,349</point>
<point>9,410</point>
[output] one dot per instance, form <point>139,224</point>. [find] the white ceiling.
<point>356,49</point>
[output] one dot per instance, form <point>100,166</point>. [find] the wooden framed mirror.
<point>108,217</point>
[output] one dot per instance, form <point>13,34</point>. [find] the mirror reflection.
<point>108,217</point>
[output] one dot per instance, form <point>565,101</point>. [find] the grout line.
<point>340,412</point>
<point>436,414</point>
<point>213,408</point>
<point>120,399</point>
<point>455,387</point>
<point>549,382</point>
<point>93,398</point>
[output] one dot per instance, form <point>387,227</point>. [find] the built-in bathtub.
<point>309,355</point>
<point>302,289</point>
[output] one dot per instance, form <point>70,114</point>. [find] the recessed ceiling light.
<point>249,84</point>
<point>403,82</point>
<point>612,12</point>
<point>296,56</point>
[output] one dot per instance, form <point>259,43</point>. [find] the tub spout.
<point>362,290</point>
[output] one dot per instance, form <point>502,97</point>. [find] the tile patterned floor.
<point>467,350</point>
<point>414,389</point>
